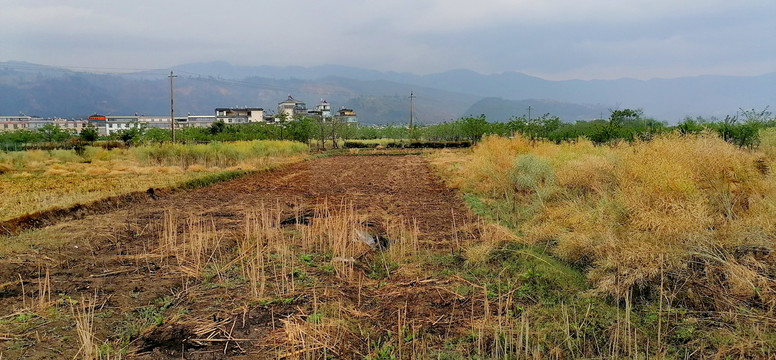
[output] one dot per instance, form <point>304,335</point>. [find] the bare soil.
<point>105,255</point>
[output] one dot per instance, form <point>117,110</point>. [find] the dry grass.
<point>37,180</point>
<point>622,209</point>
<point>269,254</point>
<point>83,314</point>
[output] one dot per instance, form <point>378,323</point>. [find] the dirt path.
<point>108,256</point>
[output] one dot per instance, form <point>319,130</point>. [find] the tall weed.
<point>627,211</point>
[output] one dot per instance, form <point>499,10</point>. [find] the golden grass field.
<point>630,213</point>
<point>659,249</point>
<point>37,180</point>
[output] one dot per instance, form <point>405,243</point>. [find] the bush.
<point>530,173</point>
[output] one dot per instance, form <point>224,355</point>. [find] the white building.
<point>23,122</point>
<point>240,115</point>
<point>200,121</point>
<point>12,123</point>
<point>73,126</point>
<point>291,107</point>
<point>160,121</point>
<point>114,124</point>
<point>323,109</point>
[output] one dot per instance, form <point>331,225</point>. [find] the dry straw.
<point>630,210</point>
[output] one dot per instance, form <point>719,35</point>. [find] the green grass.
<point>211,179</point>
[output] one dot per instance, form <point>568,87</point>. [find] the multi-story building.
<point>23,122</point>
<point>108,125</point>
<point>73,126</point>
<point>200,121</point>
<point>347,116</point>
<point>114,124</point>
<point>240,115</point>
<point>160,121</point>
<point>291,107</point>
<point>12,123</point>
<point>323,109</point>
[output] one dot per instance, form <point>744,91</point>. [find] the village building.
<point>238,115</point>
<point>291,107</point>
<point>198,121</point>
<point>323,110</point>
<point>347,116</point>
<point>23,122</point>
<point>74,126</point>
<point>13,123</point>
<point>112,124</point>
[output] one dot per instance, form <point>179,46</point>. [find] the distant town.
<point>287,110</point>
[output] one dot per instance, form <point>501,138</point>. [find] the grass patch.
<point>615,227</point>
<point>36,180</point>
<point>212,179</point>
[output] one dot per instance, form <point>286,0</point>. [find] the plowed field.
<point>148,302</point>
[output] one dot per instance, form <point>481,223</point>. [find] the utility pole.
<point>412,107</point>
<point>172,111</point>
<point>529,113</point>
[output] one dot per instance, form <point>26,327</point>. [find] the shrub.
<point>530,173</point>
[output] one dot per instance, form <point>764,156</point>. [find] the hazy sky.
<point>554,39</point>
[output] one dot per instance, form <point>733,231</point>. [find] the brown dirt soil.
<point>109,257</point>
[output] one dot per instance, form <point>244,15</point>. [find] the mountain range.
<point>378,97</point>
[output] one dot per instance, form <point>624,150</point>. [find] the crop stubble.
<point>108,255</point>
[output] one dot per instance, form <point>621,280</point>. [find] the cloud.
<point>596,38</point>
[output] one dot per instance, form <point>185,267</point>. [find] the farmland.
<point>38,180</point>
<point>513,249</point>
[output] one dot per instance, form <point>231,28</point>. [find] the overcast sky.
<point>554,39</point>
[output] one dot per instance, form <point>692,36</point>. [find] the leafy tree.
<point>132,136</point>
<point>619,117</point>
<point>52,133</point>
<point>158,135</point>
<point>689,126</point>
<point>603,134</point>
<point>217,127</point>
<point>89,134</point>
<point>16,139</point>
<point>302,129</point>
<point>474,128</point>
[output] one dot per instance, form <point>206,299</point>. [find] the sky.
<point>552,39</point>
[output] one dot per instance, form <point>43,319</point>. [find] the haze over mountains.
<point>378,97</point>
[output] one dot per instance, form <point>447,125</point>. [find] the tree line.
<point>622,125</point>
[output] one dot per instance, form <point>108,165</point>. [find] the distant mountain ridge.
<point>378,97</point>
<point>498,109</point>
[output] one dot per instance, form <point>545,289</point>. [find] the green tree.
<point>301,129</point>
<point>132,136</point>
<point>89,134</point>
<point>52,133</point>
<point>474,128</point>
<point>217,127</point>
<point>158,135</point>
<point>689,126</point>
<point>619,117</point>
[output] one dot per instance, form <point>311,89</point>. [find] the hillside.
<point>498,109</point>
<point>378,97</point>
